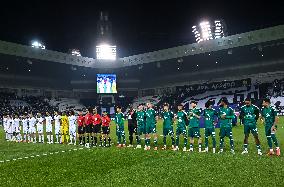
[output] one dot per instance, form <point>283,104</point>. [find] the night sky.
<point>138,26</point>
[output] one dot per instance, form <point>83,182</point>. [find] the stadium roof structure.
<point>230,42</point>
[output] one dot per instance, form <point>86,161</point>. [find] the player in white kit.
<point>10,123</point>
<point>72,127</point>
<point>25,128</point>
<point>16,129</point>
<point>57,119</point>
<point>32,129</point>
<point>5,125</point>
<point>39,126</point>
<point>48,125</point>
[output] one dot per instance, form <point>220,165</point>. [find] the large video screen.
<point>106,83</point>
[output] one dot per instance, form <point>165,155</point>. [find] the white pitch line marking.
<point>81,148</point>
<point>2,161</point>
<point>51,153</point>
<point>63,151</point>
<point>7,160</point>
<point>70,150</point>
<point>75,149</point>
<point>32,156</point>
<point>44,154</point>
<point>26,157</point>
<point>56,152</point>
<point>37,155</point>
<point>20,158</point>
<point>14,159</point>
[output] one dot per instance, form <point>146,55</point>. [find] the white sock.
<point>42,137</point>
<point>48,138</point>
<point>39,138</point>
<point>51,138</point>
<point>71,139</point>
<point>271,150</point>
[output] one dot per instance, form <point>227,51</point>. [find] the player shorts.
<point>72,130</point>
<point>25,129</point>
<point>16,129</point>
<point>88,128</point>
<point>105,129</point>
<point>81,129</point>
<point>57,129</point>
<point>168,131</point>
<point>64,130</point>
<point>32,130</point>
<point>10,130</point>
<point>268,130</point>
<point>209,132</point>
<point>194,132</point>
<point>181,130</point>
<point>39,128</point>
<point>226,132</point>
<point>150,128</point>
<point>48,128</point>
<point>251,128</point>
<point>141,128</point>
<point>120,130</point>
<point>96,128</point>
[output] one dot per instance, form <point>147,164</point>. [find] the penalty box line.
<point>40,155</point>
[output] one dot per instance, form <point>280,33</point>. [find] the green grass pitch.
<point>49,166</point>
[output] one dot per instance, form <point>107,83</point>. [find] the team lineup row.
<point>92,127</point>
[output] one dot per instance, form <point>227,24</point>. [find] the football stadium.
<point>124,93</point>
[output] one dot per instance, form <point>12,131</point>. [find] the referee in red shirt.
<point>96,130</point>
<point>88,126</point>
<point>81,128</point>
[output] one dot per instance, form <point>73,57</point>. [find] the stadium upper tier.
<point>238,40</point>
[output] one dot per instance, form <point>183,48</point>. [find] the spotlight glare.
<point>106,52</point>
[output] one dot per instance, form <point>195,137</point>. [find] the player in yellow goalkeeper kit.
<point>64,129</point>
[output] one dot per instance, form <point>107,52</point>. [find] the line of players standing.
<point>29,128</point>
<point>143,122</point>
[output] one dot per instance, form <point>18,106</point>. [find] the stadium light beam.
<point>106,52</point>
<point>38,45</point>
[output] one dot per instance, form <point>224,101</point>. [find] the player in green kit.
<point>151,120</point>
<point>225,116</point>
<point>209,113</point>
<point>119,121</point>
<point>181,127</point>
<point>194,129</point>
<point>249,115</point>
<point>141,123</point>
<point>168,117</point>
<point>269,116</point>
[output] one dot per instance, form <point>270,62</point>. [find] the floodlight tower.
<point>105,50</point>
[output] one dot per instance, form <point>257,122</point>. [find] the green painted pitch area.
<point>23,164</point>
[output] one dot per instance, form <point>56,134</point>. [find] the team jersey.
<point>105,121</point>
<point>151,116</point>
<point>72,119</point>
<point>229,115</point>
<point>5,120</point>
<point>64,121</point>
<point>57,120</point>
<point>209,117</point>
<point>48,120</point>
<point>25,122</point>
<point>81,120</point>
<point>249,114</point>
<point>10,123</point>
<point>168,119</point>
<point>181,118</point>
<point>141,116</point>
<point>97,119</point>
<point>119,119</point>
<point>32,122</point>
<point>193,120</point>
<point>269,113</point>
<point>88,119</point>
<point>40,120</point>
<point>16,122</point>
